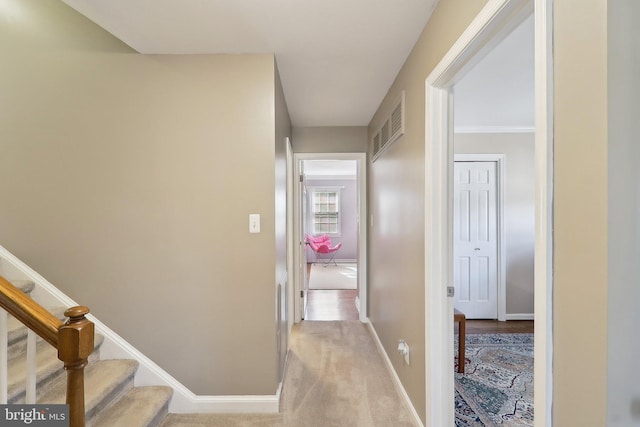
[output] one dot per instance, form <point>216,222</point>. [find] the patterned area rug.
<point>497,386</point>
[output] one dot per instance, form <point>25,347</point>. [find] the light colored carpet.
<point>342,276</point>
<point>335,377</point>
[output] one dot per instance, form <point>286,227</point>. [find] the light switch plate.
<point>254,223</point>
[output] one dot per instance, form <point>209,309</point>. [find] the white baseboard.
<point>394,375</point>
<point>184,400</point>
<point>148,373</point>
<point>228,404</point>
<point>520,316</point>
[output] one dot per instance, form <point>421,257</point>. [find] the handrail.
<point>30,313</point>
<point>73,339</point>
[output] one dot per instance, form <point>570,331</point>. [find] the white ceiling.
<point>336,58</point>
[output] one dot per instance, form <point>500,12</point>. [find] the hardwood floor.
<point>331,304</point>
<point>340,305</point>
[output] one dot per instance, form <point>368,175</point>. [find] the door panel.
<point>463,268</point>
<point>475,239</point>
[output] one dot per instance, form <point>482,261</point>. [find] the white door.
<point>475,236</point>
<point>302,267</point>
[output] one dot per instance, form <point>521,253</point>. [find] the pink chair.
<point>321,246</point>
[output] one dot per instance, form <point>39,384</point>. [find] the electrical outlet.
<point>403,349</point>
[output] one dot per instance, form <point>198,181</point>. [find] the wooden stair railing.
<point>73,339</point>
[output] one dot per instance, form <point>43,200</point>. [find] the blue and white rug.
<point>497,386</point>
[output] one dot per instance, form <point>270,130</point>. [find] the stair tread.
<point>110,396</point>
<point>102,379</point>
<point>47,366</point>
<point>139,407</point>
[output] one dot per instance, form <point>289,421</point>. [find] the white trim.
<point>148,373</point>
<point>291,246</point>
<point>494,22</point>
<point>438,307</point>
<point>543,282</point>
<point>299,272</point>
<point>394,375</point>
<point>494,129</point>
<point>520,316</point>
<point>229,404</point>
<point>500,161</point>
<point>4,358</point>
<point>362,225</point>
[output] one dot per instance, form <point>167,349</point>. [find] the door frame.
<point>499,160</point>
<point>495,21</point>
<point>361,159</point>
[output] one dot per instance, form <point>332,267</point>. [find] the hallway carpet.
<point>335,377</point>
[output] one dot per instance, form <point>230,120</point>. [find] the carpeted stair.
<point>110,397</point>
<point>335,377</point>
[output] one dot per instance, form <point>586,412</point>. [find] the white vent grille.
<point>376,143</point>
<point>385,135</point>
<point>391,130</point>
<point>397,127</point>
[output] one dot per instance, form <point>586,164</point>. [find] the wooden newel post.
<point>75,344</point>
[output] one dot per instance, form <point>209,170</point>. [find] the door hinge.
<point>451,291</point>
<point>301,294</point>
<point>301,178</point>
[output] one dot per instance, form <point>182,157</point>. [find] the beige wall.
<point>519,209</point>
<point>396,202</point>
<point>330,139</point>
<point>127,181</point>
<point>580,209</point>
<point>580,213</point>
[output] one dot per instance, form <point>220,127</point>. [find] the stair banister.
<point>73,339</point>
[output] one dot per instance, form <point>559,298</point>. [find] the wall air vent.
<point>376,143</point>
<point>396,121</point>
<point>391,130</point>
<point>385,136</point>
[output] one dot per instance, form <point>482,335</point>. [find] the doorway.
<point>497,19</point>
<point>330,281</point>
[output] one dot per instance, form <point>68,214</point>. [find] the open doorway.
<point>330,266</point>
<point>498,19</point>
<point>330,227</point>
<point>494,232</point>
